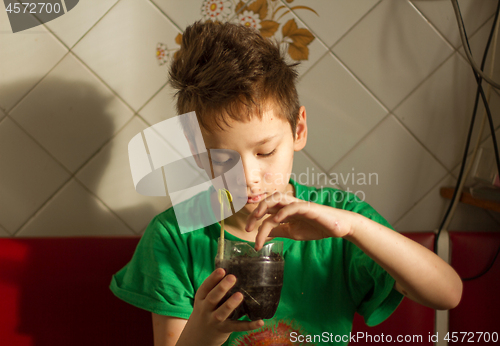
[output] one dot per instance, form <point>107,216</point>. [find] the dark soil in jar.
<point>260,280</point>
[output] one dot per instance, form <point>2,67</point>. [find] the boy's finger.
<point>270,205</point>
<point>269,202</point>
<point>289,210</point>
<point>242,326</point>
<point>210,282</point>
<point>252,219</point>
<point>223,312</point>
<point>219,291</point>
<point>263,232</point>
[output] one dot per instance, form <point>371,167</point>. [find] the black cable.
<point>479,91</point>
<point>468,53</point>
<point>471,126</point>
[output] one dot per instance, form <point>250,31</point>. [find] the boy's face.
<point>266,148</point>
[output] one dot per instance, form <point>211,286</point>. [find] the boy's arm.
<point>167,329</point>
<point>420,274</point>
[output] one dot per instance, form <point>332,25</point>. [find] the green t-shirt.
<point>325,281</point>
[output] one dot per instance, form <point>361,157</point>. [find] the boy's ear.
<point>301,130</point>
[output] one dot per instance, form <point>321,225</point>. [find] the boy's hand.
<point>208,325</point>
<point>297,219</point>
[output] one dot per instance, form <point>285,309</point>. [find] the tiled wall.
<point>385,83</point>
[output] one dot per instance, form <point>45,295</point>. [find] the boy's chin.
<point>247,208</point>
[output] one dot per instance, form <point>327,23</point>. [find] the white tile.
<point>29,176</point>
<point>306,172</point>
<point>438,113</point>
<point>4,233</point>
<point>186,12</point>
<point>478,44</point>
<point>73,211</point>
<point>472,218</point>
<point>330,19</point>
<point>121,49</point>
<point>496,216</point>
<point>108,176</point>
<point>442,16</point>
<point>160,107</point>
<point>428,214</point>
<point>401,171</point>
<point>71,113</point>
<point>25,57</point>
<point>392,50</point>
<point>456,171</point>
<point>340,111</point>
<point>487,143</point>
<point>76,22</point>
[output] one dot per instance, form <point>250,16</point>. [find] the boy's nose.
<point>251,177</point>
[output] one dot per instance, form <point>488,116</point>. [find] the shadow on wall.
<point>71,121</point>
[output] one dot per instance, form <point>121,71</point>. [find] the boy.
<point>341,256</point>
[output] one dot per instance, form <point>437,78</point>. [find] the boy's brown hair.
<point>225,69</point>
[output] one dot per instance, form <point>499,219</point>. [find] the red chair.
<point>479,309</point>
<point>54,292</point>
<point>410,319</point>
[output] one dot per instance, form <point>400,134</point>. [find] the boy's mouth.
<point>255,199</point>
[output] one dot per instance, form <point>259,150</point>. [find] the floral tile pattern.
<point>272,18</point>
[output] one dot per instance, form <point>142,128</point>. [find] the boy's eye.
<point>268,154</point>
<point>230,159</point>
<point>221,162</point>
<point>223,156</point>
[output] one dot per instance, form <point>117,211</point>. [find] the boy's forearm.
<point>422,275</point>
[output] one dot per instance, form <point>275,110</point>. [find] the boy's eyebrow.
<point>263,141</point>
